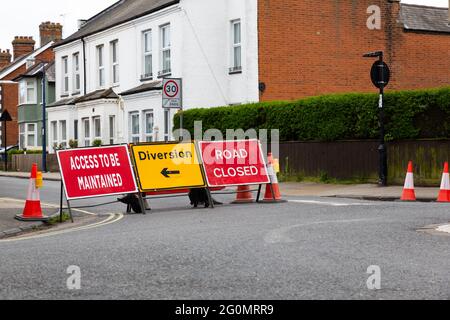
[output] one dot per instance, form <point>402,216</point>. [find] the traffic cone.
<point>444,193</point>
<point>269,196</point>
<point>244,195</point>
<point>408,190</point>
<point>32,210</point>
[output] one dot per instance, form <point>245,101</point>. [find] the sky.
<point>67,12</point>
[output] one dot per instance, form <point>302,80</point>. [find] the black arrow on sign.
<point>165,172</point>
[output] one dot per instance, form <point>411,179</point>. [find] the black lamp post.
<point>44,120</point>
<point>380,75</point>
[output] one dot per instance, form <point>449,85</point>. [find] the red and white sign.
<point>232,163</point>
<point>96,172</point>
<point>172,93</point>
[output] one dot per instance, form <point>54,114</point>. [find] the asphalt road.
<point>308,248</point>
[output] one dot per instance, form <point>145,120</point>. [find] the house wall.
<point>200,54</point>
<point>323,42</point>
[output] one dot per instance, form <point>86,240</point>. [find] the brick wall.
<point>311,47</point>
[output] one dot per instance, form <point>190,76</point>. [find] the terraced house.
<point>108,73</point>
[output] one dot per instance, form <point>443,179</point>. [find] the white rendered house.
<point>108,73</point>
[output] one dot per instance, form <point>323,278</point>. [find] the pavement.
<point>11,227</point>
<point>353,191</point>
<point>51,176</point>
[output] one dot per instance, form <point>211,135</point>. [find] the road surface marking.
<point>111,218</point>
<point>333,204</point>
<point>280,235</point>
<point>50,205</point>
<point>444,228</point>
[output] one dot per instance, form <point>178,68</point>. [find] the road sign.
<point>231,163</point>
<point>96,172</point>
<point>380,77</point>
<point>165,166</point>
<point>172,96</point>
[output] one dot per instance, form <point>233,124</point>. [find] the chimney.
<point>50,31</point>
<point>22,46</point>
<point>82,22</point>
<point>5,58</point>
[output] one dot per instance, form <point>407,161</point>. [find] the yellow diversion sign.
<point>164,166</point>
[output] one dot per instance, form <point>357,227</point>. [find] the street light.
<point>380,75</point>
<point>44,120</point>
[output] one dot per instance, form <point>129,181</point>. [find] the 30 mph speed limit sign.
<point>172,93</point>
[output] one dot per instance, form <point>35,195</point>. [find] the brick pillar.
<point>50,31</point>
<point>22,46</point>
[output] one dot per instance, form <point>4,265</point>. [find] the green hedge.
<point>409,115</point>
<point>17,151</point>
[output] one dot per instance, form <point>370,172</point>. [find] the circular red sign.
<point>169,93</point>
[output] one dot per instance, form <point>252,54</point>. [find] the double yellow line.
<point>111,218</point>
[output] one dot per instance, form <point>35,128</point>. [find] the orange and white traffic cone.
<point>32,210</point>
<point>269,196</point>
<point>444,193</point>
<point>408,190</point>
<point>244,195</point>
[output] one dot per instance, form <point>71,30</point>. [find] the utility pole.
<point>44,129</point>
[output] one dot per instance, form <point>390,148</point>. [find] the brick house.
<point>310,47</point>
<point>23,54</point>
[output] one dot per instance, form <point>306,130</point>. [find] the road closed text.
<point>229,163</point>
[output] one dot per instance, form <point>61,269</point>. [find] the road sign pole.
<point>181,124</point>
<point>382,148</point>
<point>380,75</point>
<point>6,153</point>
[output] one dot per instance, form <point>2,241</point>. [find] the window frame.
<point>62,141</point>
<point>115,69</point>
<point>165,72</point>
<point>131,135</point>
<point>75,130</point>
<point>65,75</point>
<point>97,120</point>
<point>145,54</point>
<point>23,91</point>
<point>148,136</point>
<point>86,138</point>
<point>235,67</point>
<point>101,73</point>
<point>54,131</point>
<point>76,78</point>
<point>112,128</point>
<point>22,135</point>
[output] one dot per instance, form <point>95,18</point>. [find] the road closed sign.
<point>172,93</point>
<point>165,166</point>
<point>231,163</point>
<point>96,172</point>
